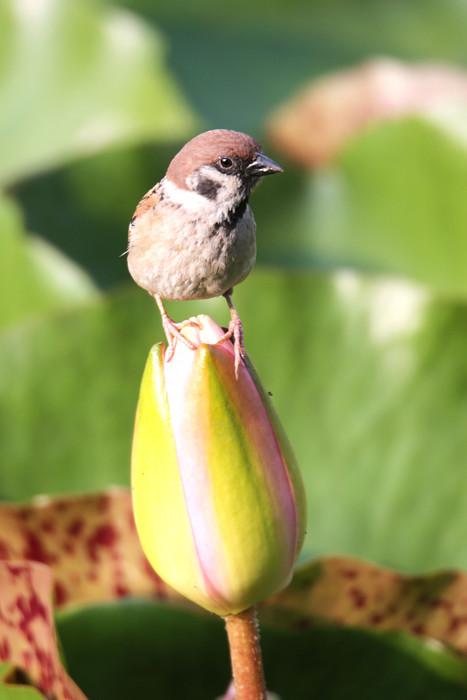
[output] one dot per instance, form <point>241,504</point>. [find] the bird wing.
<point>147,203</point>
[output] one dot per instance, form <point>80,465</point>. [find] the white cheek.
<point>229,194</point>
<point>191,201</point>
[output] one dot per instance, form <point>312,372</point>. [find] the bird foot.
<point>235,330</point>
<point>173,333</point>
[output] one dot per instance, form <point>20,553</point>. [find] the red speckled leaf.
<point>27,632</point>
<point>91,545</point>
<point>347,591</point>
<point>89,542</point>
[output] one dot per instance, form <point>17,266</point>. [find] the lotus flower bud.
<point>218,500</point>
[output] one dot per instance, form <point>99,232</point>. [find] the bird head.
<point>221,166</point>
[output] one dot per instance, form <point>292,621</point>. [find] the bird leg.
<point>235,329</point>
<point>172,330</point>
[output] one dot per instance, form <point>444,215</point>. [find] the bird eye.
<point>226,163</point>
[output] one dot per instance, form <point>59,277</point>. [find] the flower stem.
<point>245,654</point>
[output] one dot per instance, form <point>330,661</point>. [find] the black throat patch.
<point>233,216</point>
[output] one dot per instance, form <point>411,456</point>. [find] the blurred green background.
<point>356,315</point>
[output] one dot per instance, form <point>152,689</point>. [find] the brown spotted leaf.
<point>27,632</point>
<point>89,541</point>
<point>350,592</point>
<point>91,545</point>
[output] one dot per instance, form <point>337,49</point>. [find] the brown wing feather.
<point>149,201</point>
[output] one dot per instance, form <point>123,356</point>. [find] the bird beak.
<point>262,165</point>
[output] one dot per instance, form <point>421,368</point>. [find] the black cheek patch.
<point>208,188</point>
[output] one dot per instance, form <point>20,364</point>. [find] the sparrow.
<point>193,235</point>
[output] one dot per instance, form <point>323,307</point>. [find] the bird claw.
<point>173,333</point>
<point>235,330</point>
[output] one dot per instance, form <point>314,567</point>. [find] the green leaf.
<point>10,677</point>
<point>367,375</point>
<point>14,684</point>
<point>394,203</point>
<point>15,692</point>
<point>6,669</point>
<point>84,365</point>
<point>140,649</point>
<point>408,216</point>
<point>251,56</point>
<point>75,78</point>
<point>98,196</point>
<point>296,221</point>
<point>34,276</point>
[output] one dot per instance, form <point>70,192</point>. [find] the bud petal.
<point>218,499</point>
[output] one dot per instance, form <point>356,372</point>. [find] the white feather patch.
<point>228,197</point>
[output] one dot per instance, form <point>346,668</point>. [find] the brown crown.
<point>207,148</point>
